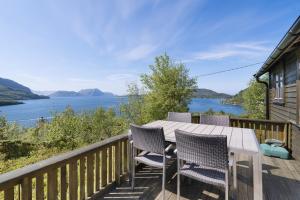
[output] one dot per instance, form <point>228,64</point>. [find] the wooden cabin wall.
<point>289,109</point>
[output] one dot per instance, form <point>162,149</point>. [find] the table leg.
<point>257,177</point>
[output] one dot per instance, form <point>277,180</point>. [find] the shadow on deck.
<point>281,180</point>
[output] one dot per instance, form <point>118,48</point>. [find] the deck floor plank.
<point>281,180</point>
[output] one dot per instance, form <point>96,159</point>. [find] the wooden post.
<point>39,189</point>
<point>73,180</point>
<point>110,164</point>
<point>82,178</point>
<point>117,162</point>
<point>52,184</point>
<point>63,182</point>
<point>103,167</point>
<point>9,193</point>
<point>26,186</point>
<point>97,171</point>
<point>90,175</point>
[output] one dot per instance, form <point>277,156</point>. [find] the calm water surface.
<point>27,113</point>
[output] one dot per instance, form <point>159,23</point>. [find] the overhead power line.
<point>231,69</point>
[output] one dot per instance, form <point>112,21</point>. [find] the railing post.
<point>63,182</point>
<point>73,180</point>
<point>82,178</point>
<point>26,186</point>
<point>90,174</point>
<point>9,193</point>
<point>117,162</point>
<point>97,171</point>
<point>103,167</point>
<point>52,184</point>
<point>39,189</point>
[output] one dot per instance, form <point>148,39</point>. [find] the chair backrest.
<point>180,117</point>
<point>209,151</point>
<point>218,120</point>
<point>148,139</point>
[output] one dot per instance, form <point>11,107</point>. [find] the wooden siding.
<point>289,110</point>
<point>296,142</point>
<point>290,75</point>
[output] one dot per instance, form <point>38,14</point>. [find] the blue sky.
<point>75,44</point>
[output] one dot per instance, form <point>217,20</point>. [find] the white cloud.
<point>138,52</point>
<point>240,49</point>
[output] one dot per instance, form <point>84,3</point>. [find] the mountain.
<point>206,93</point>
<point>11,91</point>
<point>91,92</point>
<point>65,94</point>
<point>83,92</point>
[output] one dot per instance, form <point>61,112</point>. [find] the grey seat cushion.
<point>151,159</point>
<point>209,176</point>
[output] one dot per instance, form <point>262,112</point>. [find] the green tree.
<point>254,100</point>
<point>133,111</point>
<point>169,88</point>
<point>65,129</point>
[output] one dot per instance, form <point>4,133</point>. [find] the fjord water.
<point>27,114</point>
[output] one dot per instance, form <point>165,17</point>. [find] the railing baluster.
<point>110,164</point>
<point>82,178</point>
<point>73,180</point>
<point>26,186</point>
<point>90,174</point>
<point>9,193</point>
<point>103,167</point>
<point>39,190</point>
<point>52,184</point>
<point>63,182</point>
<point>125,163</point>
<point>97,177</point>
<point>117,162</point>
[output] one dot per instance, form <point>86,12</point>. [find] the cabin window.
<point>279,87</point>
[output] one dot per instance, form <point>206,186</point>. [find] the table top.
<point>239,140</point>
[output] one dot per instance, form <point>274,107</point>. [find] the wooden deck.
<point>281,180</point>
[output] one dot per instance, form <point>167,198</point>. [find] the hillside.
<point>206,93</point>
<point>11,92</point>
<point>84,92</point>
<point>237,99</point>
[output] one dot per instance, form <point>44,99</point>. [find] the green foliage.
<point>254,100</point>
<point>66,131</point>
<point>169,88</point>
<point>134,110</point>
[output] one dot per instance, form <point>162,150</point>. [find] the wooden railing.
<point>83,173</point>
<point>264,129</point>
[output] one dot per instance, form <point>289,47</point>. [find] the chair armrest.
<point>171,146</point>
<point>175,151</point>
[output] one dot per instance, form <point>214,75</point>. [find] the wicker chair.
<point>218,120</point>
<point>152,142</point>
<point>180,117</point>
<point>222,120</point>
<point>205,158</point>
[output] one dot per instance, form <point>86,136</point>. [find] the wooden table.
<point>239,141</point>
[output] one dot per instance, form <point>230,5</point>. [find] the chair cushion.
<point>275,151</point>
<point>209,176</point>
<point>151,159</point>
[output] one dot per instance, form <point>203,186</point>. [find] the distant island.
<point>11,93</point>
<point>210,94</point>
<point>85,92</point>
